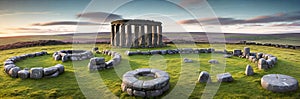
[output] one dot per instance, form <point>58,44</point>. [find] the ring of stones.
<point>72,55</point>
<point>35,73</point>
<point>145,88</point>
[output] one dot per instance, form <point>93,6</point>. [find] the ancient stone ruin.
<point>35,73</point>
<point>72,55</point>
<point>225,77</point>
<point>279,83</point>
<point>145,82</point>
<point>136,33</point>
<point>98,63</point>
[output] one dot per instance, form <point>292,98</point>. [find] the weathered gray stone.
<point>204,77</point>
<point>60,68</point>
<point>13,72</point>
<point>8,67</point>
<point>139,93</point>
<point>186,60</point>
<point>270,63</point>
<point>163,52</point>
<point>52,75</point>
<point>129,91</point>
<point>213,61</point>
<point>8,62</point>
<point>262,64</point>
<point>246,51</point>
<point>227,56</point>
<point>50,70</point>
<point>249,71</point>
<point>23,74</point>
<point>225,77</point>
<point>279,83</point>
<point>65,58</point>
<point>153,93</point>
<point>259,55</point>
<point>36,73</point>
<point>57,57</point>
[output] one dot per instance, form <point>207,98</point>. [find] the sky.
<point>44,17</point>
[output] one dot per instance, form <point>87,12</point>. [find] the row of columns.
<point>122,35</point>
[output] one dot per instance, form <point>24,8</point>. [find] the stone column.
<point>117,35</point>
<point>129,37</point>
<point>154,40</point>
<point>136,35</point>
<point>112,36</point>
<point>142,34</point>
<point>160,42</point>
<point>149,35</point>
<point>122,36</point>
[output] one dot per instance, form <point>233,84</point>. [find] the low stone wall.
<point>176,51</point>
<point>72,55</point>
<point>269,44</point>
<point>145,88</point>
<point>98,63</point>
<point>35,73</point>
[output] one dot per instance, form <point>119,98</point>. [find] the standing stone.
<point>204,77</point>
<point>237,52</point>
<point>36,73</point>
<point>249,71</point>
<point>225,77</point>
<point>13,72</point>
<point>259,55</point>
<point>23,74</point>
<point>262,64</point>
<point>246,51</point>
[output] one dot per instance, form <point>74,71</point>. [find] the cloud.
<point>99,16</point>
<point>279,17</point>
<point>41,30</point>
<point>287,24</point>
<point>65,23</point>
<point>190,2</point>
<point>8,13</point>
<point>23,28</point>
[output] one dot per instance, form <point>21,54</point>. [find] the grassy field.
<point>182,74</point>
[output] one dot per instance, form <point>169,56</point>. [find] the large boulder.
<point>50,70</point>
<point>8,67</point>
<point>23,74</point>
<point>246,51</point>
<point>36,73</point>
<point>279,83</point>
<point>262,64</point>
<point>249,71</point>
<point>225,77</point>
<point>60,68</point>
<point>13,72</point>
<point>204,77</point>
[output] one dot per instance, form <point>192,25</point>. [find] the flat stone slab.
<point>225,77</point>
<point>279,83</point>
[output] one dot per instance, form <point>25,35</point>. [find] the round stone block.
<point>13,72</point>
<point>279,83</point>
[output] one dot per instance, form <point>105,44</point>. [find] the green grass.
<point>181,74</point>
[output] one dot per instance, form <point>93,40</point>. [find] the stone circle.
<point>72,55</point>
<point>279,83</point>
<point>98,63</point>
<point>145,88</point>
<point>35,73</point>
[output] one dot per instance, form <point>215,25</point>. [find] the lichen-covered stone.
<point>13,72</point>
<point>279,83</point>
<point>23,74</point>
<point>225,77</point>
